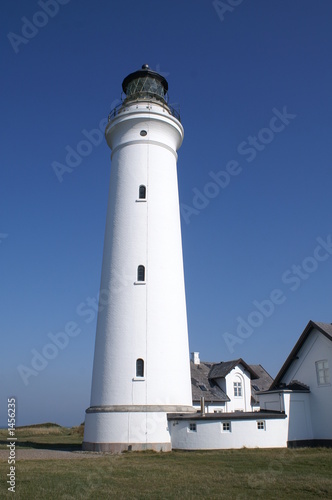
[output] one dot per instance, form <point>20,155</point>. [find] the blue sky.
<point>253,81</point>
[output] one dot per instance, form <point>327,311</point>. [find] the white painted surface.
<point>209,434</point>
<point>147,320</point>
<point>236,403</point>
<point>319,403</point>
<point>126,427</point>
<point>211,407</point>
<point>195,358</point>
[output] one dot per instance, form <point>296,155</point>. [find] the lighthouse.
<point>141,369</point>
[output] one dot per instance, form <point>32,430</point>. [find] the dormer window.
<point>237,389</point>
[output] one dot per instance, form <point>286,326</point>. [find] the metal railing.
<point>169,108</point>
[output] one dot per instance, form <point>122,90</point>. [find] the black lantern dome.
<point>145,84</point>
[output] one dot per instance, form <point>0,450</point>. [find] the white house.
<point>303,390</point>
<point>227,386</point>
<point>228,413</point>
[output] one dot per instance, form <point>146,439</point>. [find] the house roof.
<point>220,370</point>
<point>202,386</point>
<point>262,383</point>
<point>324,328</point>
<point>296,385</point>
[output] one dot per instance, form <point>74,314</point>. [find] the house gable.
<point>307,370</point>
<point>324,329</point>
<point>228,386</point>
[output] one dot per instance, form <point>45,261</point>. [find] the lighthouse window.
<point>141,273</point>
<point>139,367</point>
<point>142,192</point>
<point>143,133</point>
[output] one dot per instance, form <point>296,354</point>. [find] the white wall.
<point>211,407</point>
<point>237,374</point>
<point>316,348</point>
<point>244,433</point>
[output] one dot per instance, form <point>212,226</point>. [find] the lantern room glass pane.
<point>145,86</point>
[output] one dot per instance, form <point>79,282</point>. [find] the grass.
<point>46,436</point>
<point>228,474</point>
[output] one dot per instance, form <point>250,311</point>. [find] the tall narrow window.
<point>237,389</point>
<point>142,192</point>
<point>322,371</point>
<point>139,367</point>
<point>141,273</point>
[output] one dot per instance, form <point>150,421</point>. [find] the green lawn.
<point>230,474</point>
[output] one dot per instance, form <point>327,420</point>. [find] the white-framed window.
<point>237,389</point>
<point>261,425</point>
<point>192,427</point>
<point>322,371</point>
<point>226,427</point>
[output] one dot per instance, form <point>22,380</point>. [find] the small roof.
<point>235,415</point>
<point>203,387</point>
<point>220,370</point>
<point>324,328</point>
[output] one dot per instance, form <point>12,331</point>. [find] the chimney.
<point>202,406</point>
<point>195,358</point>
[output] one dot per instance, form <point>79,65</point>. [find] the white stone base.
<point>125,431</point>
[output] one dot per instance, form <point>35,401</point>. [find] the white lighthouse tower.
<point>141,367</point>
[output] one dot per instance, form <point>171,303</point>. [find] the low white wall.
<point>244,433</point>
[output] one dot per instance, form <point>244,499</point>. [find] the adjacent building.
<point>303,390</point>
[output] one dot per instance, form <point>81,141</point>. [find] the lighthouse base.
<point>120,447</point>
<point>118,429</point>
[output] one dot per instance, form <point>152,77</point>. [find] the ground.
<point>49,464</point>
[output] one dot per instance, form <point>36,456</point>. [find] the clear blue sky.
<point>233,74</point>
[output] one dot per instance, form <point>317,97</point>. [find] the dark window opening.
<point>139,367</point>
<point>142,192</point>
<point>141,273</point>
